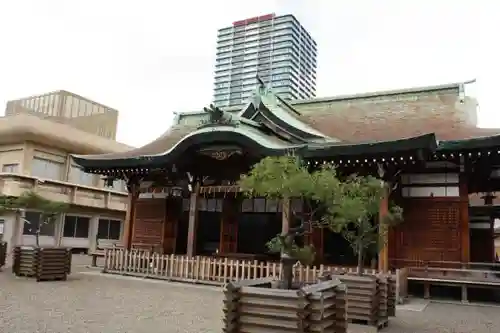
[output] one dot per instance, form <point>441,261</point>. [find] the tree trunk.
<point>287,271</point>
<point>360,260</point>
<point>37,234</point>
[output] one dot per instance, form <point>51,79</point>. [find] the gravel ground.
<point>91,303</point>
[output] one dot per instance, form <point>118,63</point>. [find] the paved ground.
<point>90,303</point>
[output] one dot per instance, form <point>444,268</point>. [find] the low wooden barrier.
<point>3,253</point>
<point>383,304</point>
<point>209,270</point>
<point>401,285</point>
<point>392,295</point>
<point>454,277</point>
<point>363,299</point>
<point>42,263</point>
<point>219,271</point>
<point>254,306</point>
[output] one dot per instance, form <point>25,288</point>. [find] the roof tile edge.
<point>412,90</point>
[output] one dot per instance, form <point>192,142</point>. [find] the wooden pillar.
<point>383,255</point>
<point>193,221</point>
<point>464,219</point>
<point>128,229</point>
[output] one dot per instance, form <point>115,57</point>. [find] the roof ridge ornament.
<point>262,90</point>
<point>217,117</point>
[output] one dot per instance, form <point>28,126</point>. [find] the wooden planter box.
<point>42,263</point>
<point>383,305</point>
<point>3,253</point>
<point>392,296</point>
<point>255,306</point>
<point>364,299</point>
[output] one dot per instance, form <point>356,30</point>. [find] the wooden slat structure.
<point>42,263</point>
<point>463,278</point>
<point>219,271</point>
<point>363,298</point>
<point>254,306</point>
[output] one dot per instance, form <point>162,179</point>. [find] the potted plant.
<point>286,178</point>
<point>355,216</point>
<point>44,263</point>
<point>270,304</point>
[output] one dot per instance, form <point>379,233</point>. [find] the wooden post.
<point>133,194</point>
<point>223,232</point>
<point>383,255</point>
<point>464,219</point>
<point>193,221</point>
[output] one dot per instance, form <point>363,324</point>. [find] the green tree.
<point>356,214</point>
<point>347,205</point>
<point>286,178</point>
<point>30,200</point>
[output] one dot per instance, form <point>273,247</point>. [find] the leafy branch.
<point>49,210</point>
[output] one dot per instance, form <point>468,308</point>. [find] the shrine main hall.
<point>184,197</point>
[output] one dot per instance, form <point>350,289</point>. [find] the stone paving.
<point>92,303</point>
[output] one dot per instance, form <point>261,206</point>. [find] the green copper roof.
<point>470,144</point>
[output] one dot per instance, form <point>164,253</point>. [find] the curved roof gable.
<point>266,120</point>
<point>268,108</point>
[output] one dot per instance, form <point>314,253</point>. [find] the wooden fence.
<point>218,271</point>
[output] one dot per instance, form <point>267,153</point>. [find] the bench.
<point>101,246</point>
<point>453,277</point>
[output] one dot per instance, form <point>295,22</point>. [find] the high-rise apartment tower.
<point>277,48</point>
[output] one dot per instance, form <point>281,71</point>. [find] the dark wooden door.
<point>229,226</point>
<point>481,245</point>
<point>173,212</point>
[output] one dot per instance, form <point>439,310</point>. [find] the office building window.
<point>76,226</point>
<point>32,221</point>
<point>119,185</point>
<point>109,229</point>
<point>78,176</point>
<point>46,168</point>
<point>12,168</point>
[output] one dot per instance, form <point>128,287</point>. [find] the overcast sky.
<point>150,58</point>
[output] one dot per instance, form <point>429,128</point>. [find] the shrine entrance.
<point>259,222</point>
<point>208,226</point>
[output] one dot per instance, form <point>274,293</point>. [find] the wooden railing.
<point>219,271</point>
<point>444,264</point>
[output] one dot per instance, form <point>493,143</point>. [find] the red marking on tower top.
<point>254,20</point>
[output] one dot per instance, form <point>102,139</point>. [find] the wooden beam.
<point>133,195</point>
<point>464,218</point>
<point>383,256</point>
<point>193,221</point>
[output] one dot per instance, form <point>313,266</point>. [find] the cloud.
<point>151,58</point>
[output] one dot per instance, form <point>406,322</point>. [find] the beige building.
<point>35,150</point>
<point>68,108</point>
